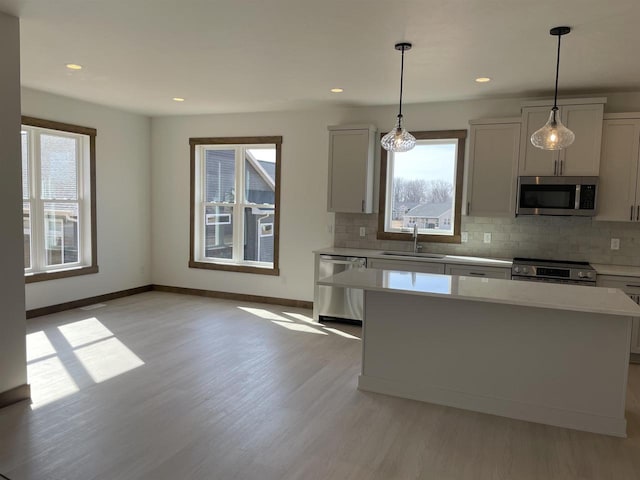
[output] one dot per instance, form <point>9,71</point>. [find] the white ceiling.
<point>259,55</point>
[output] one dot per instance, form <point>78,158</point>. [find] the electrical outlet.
<point>465,237</point>
<point>615,244</point>
<point>363,231</point>
<point>487,237</point>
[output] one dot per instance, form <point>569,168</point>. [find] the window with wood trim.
<point>235,196</point>
<point>58,200</point>
<point>423,188</point>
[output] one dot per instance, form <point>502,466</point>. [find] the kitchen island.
<point>546,353</point>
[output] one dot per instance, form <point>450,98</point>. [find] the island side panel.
<point>549,366</point>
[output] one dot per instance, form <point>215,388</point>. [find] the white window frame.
<point>238,206</point>
<point>85,147</point>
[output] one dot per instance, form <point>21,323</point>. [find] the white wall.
<point>123,198</point>
<point>303,214</point>
<point>13,371</point>
<point>304,175</point>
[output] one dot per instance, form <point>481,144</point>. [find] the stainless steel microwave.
<point>557,196</point>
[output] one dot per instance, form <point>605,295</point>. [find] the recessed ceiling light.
<point>483,79</point>
<point>178,99</point>
<point>74,66</point>
<point>337,90</point>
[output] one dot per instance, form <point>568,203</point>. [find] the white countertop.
<point>618,270</point>
<point>609,301</point>
<point>452,259</point>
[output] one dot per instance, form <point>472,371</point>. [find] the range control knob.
<point>516,269</point>
<point>525,270</point>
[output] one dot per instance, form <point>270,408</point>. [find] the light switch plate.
<point>615,244</point>
<point>487,237</point>
<point>363,231</point>
<point>464,237</point>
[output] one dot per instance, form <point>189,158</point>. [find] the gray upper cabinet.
<point>351,164</point>
<point>582,158</point>
<point>493,167</point>
<point>618,192</point>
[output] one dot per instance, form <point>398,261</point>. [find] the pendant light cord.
<point>555,95</point>
<point>401,83</point>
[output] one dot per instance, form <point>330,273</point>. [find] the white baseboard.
<point>499,406</point>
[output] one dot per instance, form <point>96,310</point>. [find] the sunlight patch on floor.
<point>38,346</point>
<point>266,314</point>
<point>302,318</point>
<point>64,359</point>
<point>107,359</point>
<point>298,327</point>
<point>49,381</point>
<point>341,333</point>
<point>84,331</point>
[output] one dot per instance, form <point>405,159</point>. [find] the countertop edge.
<point>447,259</point>
<point>504,301</point>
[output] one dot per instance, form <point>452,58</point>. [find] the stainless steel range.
<point>553,271</point>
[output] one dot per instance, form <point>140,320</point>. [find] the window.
<point>423,188</point>
<point>235,190</point>
<point>58,200</point>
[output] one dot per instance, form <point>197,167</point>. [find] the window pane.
<point>423,192</point>
<point>25,165</point>
<point>58,167</point>
<point>218,224</point>
<point>258,234</point>
<point>26,227</point>
<point>61,233</point>
<point>260,175</point>
<point>220,180</point>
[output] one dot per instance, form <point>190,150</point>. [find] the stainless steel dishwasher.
<point>335,303</point>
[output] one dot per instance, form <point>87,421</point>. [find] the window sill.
<point>44,276</point>
<point>235,268</point>
<point>408,237</point>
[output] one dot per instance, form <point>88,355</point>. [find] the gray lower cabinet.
<point>406,266</point>
<point>630,286</point>
<point>482,272</point>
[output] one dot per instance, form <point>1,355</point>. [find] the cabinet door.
<point>482,272</point>
<point>582,158</point>
<point>619,170</point>
<point>493,170</point>
<point>406,266</point>
<point>350,171</point>
<point>535,161</point>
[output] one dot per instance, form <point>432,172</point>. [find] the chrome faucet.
<point>416,247</point>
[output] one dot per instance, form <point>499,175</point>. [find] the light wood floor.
<point>163,386</point>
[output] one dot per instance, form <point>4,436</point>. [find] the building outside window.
<point>423,188</point>
<point>235,194</point>
<point>58,194</point>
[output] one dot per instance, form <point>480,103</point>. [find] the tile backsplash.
<point>564,238</point>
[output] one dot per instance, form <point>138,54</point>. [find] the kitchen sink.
<point>411,254</point>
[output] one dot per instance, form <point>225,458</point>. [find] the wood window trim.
<point>461,136</point>
<point>193,263</point>
<point>91,133</point>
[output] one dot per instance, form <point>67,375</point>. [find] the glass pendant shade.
<point>553,135</point>
<point>398,140</point>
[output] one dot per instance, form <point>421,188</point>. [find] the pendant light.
<point>398,139</point>
<point>554,135</point>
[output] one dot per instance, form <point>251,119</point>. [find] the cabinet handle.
<point>362,206</point>
<point>638,213</point>
<point>555,167</point>
<point>631,285</point>
<point>631,213</point>
<point>561,166</point>
<point>478,274</point>
<point>468,207</point>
